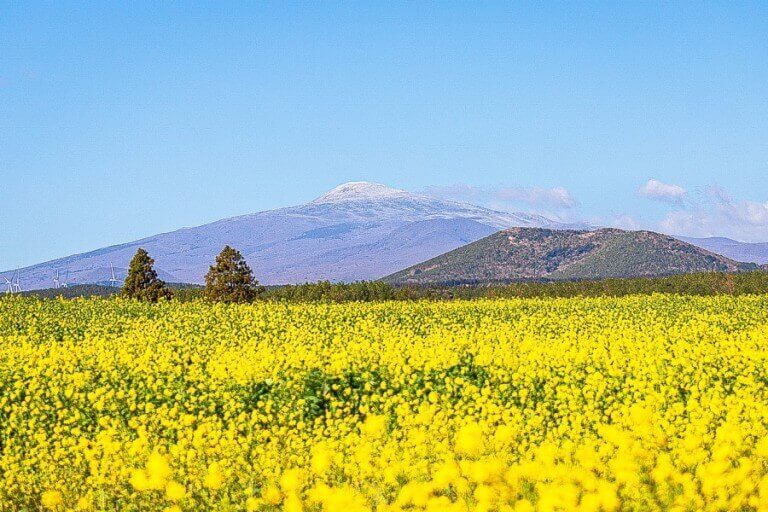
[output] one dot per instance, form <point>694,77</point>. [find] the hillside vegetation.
<point>708,283</point>
<point>533,253</point>
<point>96,290</point>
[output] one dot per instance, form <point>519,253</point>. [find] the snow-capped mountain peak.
<point>361,191</point>
<point>358,230</point>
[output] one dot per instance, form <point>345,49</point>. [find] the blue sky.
<point>121,120</point>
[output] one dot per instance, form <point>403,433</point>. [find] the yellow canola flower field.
<point>637,403</point>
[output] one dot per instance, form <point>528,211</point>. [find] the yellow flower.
<point>84,503</point>
<point>524,506</point>
<point>322,459</point>
<point>446,474</point>
<point>293,504</point>
<point>174,491</point>
<point>157,470</point>
<point>51,499</point>
<point>139,480</point>
<point>374,426</point>
<point>272,495</point>
<point>214,479</point>
<point>469,440</point>
<point>290,481</point>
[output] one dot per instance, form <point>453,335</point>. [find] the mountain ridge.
<point>540,253</point>
<point>749,252</point>
<point>355,231</point>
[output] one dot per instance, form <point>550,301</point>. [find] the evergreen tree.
<point>142,282</point>
<point>231,279</point>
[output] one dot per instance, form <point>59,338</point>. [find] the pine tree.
<point>231,279</point>
<point>142,282</point>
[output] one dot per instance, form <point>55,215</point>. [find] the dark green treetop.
<point>231,279</point>
<point>142,282</point>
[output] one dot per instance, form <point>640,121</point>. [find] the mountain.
<point>533,253</point>
<point>356,231</point>
<point>739,251</point>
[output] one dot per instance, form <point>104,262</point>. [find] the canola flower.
<point>637,403</point>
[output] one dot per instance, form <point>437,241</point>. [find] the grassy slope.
<point>531,253</point>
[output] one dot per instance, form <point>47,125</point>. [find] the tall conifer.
<point>142,282</point>
<point>231,279</point>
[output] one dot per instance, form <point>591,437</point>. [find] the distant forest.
<point>711,283</point>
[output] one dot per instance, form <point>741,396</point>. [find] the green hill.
<point>532,253</point>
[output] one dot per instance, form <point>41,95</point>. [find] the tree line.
<point>230,279</point>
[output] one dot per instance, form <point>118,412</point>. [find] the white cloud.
<point>718,214</point>
<point>558,198</point>
<point>455,192</point>
<point>664,192</point>
<point>741,212</point>
<point>625,222</point>
<point>685,223</point>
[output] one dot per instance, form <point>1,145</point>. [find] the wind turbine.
<point>10,285</point>
<point>56,280</point>
<point>113,279</point>
<point>17,284</point>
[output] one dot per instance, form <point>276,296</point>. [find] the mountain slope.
<point>739,251</point>
<point>356,231</point>
<point>531,253</point>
